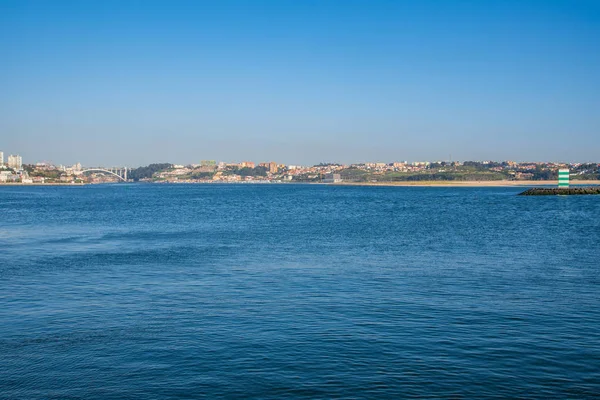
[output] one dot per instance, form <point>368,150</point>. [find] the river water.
<point>297,291</point>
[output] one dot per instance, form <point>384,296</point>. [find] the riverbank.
<point>469,183</point>
<point>399,183</point>
<point>41,184</point>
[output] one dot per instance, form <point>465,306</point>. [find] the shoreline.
<point>384,184</point>
<point>468,183</point>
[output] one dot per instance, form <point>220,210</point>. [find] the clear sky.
<point>299,81</point>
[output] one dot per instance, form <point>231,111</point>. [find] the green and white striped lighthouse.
<point>563,178</point>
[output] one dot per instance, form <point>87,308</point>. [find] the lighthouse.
<point>563,178</point>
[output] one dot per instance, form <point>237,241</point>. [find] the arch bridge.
<point>120,173</point>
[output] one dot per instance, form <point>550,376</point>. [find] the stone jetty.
<point>561,191</point>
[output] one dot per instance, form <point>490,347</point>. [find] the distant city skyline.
<point>132,83</point>
<point>17,159</point>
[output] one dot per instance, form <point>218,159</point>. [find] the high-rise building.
<point>1,158</point>
<point>273,167</point>
<point>15,162</point>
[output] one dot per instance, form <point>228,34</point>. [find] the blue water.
<point>297,291</point>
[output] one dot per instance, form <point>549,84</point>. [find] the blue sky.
<point>299,82</point>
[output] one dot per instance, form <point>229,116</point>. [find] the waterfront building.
<point>1,158</point>
<point>15,162</point>
<point>8,176</point>
<point>332,178</point>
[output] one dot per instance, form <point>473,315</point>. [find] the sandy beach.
<point>470,183</point>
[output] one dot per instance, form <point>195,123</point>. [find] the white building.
<point>1,158</point>
<point>6,176</point>
<point>15,162</point>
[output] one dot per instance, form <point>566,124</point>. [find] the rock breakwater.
<point>561,191</point>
